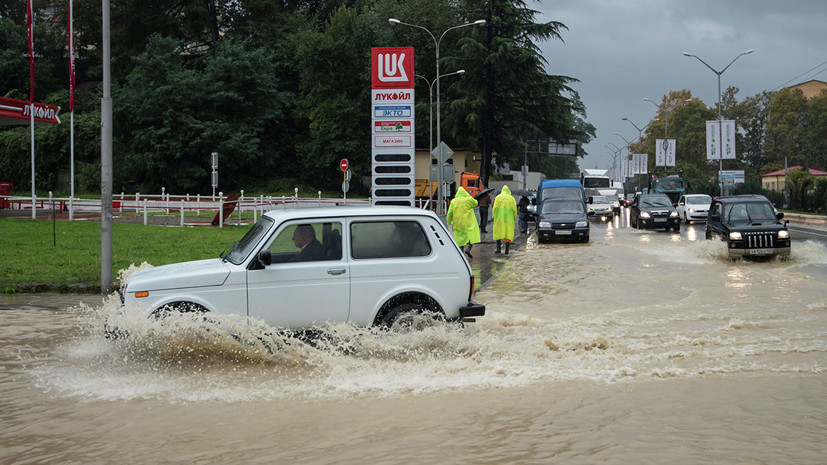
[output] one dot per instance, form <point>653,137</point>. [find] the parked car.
<point>693,207</point>
<point>302,268</point>
<point>654,211</point>
<point>750,226</point>
<point>600,206</point>
<point>563,219</point>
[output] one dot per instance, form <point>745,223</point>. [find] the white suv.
<point>302,268</point>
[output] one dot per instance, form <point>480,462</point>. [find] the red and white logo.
<point>392,67</point>
<point>392,126</point>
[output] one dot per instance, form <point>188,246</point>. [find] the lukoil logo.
<point>381,96</point>
<point>392,67</point>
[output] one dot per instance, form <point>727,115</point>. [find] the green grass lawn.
<point>34,258</point>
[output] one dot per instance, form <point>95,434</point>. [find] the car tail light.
<point>471,293</point>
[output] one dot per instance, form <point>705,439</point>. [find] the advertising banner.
<point>665,152</point>
<point>640,163</point>
<point>720,140</point>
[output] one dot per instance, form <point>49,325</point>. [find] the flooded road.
<point>638,347</point>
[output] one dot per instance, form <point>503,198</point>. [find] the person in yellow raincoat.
<point>461,216</point>
<point>505,216</point>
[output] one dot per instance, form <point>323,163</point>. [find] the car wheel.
<point>410,317</point>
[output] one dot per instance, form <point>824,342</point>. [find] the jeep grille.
<point>760,240</point>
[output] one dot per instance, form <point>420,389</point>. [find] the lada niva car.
<point>303,268</point>
<point>750,226</point>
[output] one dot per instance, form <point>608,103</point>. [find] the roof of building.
<point>812,171</point>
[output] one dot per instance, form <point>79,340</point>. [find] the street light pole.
<point>480,22</point>
<point>720,120</point>
<point>640,132</point>
<point>431,122</point>
<point>629,150</point>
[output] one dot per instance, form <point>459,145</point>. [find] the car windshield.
<point>655,201</point>
<point>703,200</point>
<point>669,184</point>
<point>243,247</point>
<point>563,193</point>
<point>749,213</point>
<point>563,206</point>
<point>599,199</point>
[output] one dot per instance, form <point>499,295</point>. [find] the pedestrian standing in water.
<point>524,202</point>
<point>505,216</point>
<point>463,220</point>
<point>484,202</point>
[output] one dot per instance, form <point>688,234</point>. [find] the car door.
<point>300,289</point>
<point>714,226</point>
<point>681,207</point>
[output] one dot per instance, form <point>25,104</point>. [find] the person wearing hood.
<point>505,216</point>
<point>461,216</point>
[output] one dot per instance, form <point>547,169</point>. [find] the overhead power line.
<point>804,74</point>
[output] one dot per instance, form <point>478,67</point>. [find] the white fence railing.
<point>169,204</point>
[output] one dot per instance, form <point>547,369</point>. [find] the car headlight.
<point>581,224</point>
<point>674,214</point>
<point>644,215</point>
<point>735,236</point>
<point>783,234</point>
<point>545,224</point>
<point>692,210</point>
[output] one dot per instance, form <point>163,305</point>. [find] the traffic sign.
<point>345,186</point>
<point>343,164</point>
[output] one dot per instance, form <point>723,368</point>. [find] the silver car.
<point>693,207</point>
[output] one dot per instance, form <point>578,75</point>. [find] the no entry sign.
<point>343,164</point>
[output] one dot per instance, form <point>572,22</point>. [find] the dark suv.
<point>750,226</point>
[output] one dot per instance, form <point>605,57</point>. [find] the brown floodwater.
<point>638,347</point>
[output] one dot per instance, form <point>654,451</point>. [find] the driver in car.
<point>304,237</point>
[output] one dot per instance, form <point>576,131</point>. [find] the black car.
<point>654,211</point>
<point>563,219</point>
<point>750,226</point>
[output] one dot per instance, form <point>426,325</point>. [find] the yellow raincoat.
<point>505,215</point>
<point>461,216</point>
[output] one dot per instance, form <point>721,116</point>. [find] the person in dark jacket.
<point>484,201</point>
<point>523,208</point>
<point>304,237</point>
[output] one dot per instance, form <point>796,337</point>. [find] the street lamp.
<point>431,119</point>
<point>720,129</point>
<point>665,113</point>
<point>479,22</point>
<point>626,165</point>
<point>431,104</point>
<point>640,131</point>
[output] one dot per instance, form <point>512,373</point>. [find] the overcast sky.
<point>625,50</point>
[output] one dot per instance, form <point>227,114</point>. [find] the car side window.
<point>308,241</point>
<point>388,239</point>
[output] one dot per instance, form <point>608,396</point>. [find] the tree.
<point>815,131</point>
<point>173,113</point>
<point>506,96</point>
<point>785,132</point>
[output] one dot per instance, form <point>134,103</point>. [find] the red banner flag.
<point>71,63</point>
<point>31,49</point>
